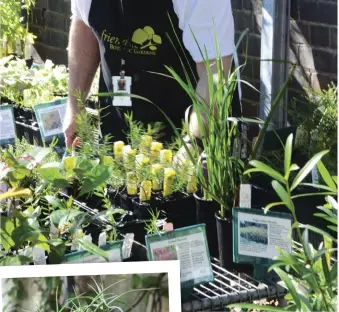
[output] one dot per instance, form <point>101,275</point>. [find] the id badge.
<point>122,85</point>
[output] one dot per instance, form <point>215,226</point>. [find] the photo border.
<point>172,268</point>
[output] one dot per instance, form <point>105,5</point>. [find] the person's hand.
<point>69,127</point>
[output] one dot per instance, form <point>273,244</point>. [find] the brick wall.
<point>50,22</point>
<point>313,40</point>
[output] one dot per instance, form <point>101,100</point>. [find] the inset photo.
<point>125,292</point>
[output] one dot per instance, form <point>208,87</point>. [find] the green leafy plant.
<point>310,272</point>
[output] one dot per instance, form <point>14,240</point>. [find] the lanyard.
<point>123,46</point>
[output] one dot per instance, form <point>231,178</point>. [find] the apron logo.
<point>146,38</point>
<point>144,41</point>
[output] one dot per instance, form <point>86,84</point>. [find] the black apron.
<point>139,34</point>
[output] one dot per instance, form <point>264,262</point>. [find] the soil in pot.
<point>114,196</point>
<point>126,201</point>
<point>205,213</point>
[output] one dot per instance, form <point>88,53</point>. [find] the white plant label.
<point>7,124</point>
<point>127,245</point>
<point>39,256</point>
<point>245,200</point>
<point>258,236</point>
<point>102,239</point>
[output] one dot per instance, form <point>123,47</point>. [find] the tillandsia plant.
<point>310,272</point>
<point>101,299</point>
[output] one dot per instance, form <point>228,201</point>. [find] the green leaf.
<point>77,222</point>
<point>268,207</point>
<point>17,192</point>
<point>316,230</point>
<point>334,272</point>
<point>42,242</point>
<point>288,154</point>
<point>15,260</point>
<point>55,202</point>
<point>99,175</point>
<point>6,230</point>
<point>307,169</point>
<point>261,167</point>
<point>306,245</point>
<point>282,194</point>
<point>326,176</point>
<point>287,280</point>
<point>54,176</point>
<point>57,215</point>
<point>24,233</point>
<point>69,216</point>
<point>90,247</point>
<point>325,269</point>
<point>57,253</point>
<point>136,281</point>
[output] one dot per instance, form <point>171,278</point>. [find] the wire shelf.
<point>229,287</point>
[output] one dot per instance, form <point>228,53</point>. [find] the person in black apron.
<point>137,32</point>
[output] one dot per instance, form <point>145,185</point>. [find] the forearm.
<point>202,90</point>
<point>83,61</point>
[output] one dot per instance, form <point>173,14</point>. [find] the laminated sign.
<point>256,235</point>
<point>114,251</point>
<point>189,245</point>
<point>50,117</point>
<point>7,125</point>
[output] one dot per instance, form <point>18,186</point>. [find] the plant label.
<point>122,86</point>
<point>301,137</point>
<point>245,196</point>
<point>102,239</point>
<point>257,235</point>
<point>39,256</point>
<point>7,125</point>
<point>127,245</point>
<point>50,117</point>
<point>189,245</point>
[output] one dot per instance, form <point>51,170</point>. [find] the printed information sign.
<point>256,234</point>
<point>114,251</point>
<point>50,117</point>
<point>7,125</point>
<point>189,245</point>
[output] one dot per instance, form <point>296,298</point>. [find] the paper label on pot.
<point>245,200</point>
<point>102,239</point>
<point>187,245</point>
<point>7,124</point>
<point>39,256</point>
<point>127,245</point>
<point>259,235</point>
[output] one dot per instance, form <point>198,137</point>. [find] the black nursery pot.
<point>126,201</point>
<point>205,213</point>
<point>180,210</point>
<point>142,211</point>
<point>225,243</point>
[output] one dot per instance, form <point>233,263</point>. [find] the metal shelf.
<point>228,288</point>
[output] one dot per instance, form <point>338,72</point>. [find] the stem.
<point>300,239</point>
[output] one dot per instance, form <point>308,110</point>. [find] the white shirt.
<point>205,18</point>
